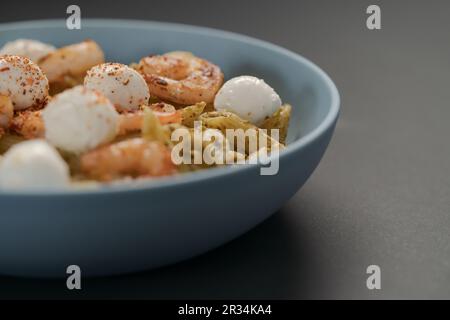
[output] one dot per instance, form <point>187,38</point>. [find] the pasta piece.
<point>224,120</point>
<point>191,113</point>
<point>153,130</point>
<point>72,160</point>
<point>279,120</point>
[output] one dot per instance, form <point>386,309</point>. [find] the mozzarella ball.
<point>23,81</point>
<point>33,164</point>
<point>122,85</point>
<point>31,49</point>
<point>250,98</point>
<point>80,119</point>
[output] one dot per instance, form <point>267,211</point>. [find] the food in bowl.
<point>129,227</point>
<point>68,117</point>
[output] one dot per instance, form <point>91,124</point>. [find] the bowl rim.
<point>200,176</point>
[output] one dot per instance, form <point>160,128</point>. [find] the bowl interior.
<point>306,87</point>
<point>127,42</point>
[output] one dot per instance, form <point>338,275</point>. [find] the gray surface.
<point>381,194</point>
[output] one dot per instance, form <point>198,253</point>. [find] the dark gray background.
<point>380,196</point>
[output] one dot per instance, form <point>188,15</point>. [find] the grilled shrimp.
<point>132,121</point>
<point>6,113</point>
<point>73,60</point>
<point>181,77</point>
<point>129,158</point>
<point>28,124</point>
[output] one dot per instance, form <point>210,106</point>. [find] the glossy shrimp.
<point>129,158</point>
<point>6,113</point>
<point>132,121</point>
<point>30,125</point>
<point>73,60</point>
<point>181,77</point>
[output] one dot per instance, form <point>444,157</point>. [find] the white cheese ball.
<point>80,119</point>
<point>32,49</point>
<point>122,85</point>
<point>23,81</point>
<point>250,98</point>
<point>33,164</point>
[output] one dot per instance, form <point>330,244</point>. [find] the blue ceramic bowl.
<point>125,229</point>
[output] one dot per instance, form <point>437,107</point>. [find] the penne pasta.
<point>191,113</point>
<point>152,128</point>
<point>279,120</point>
